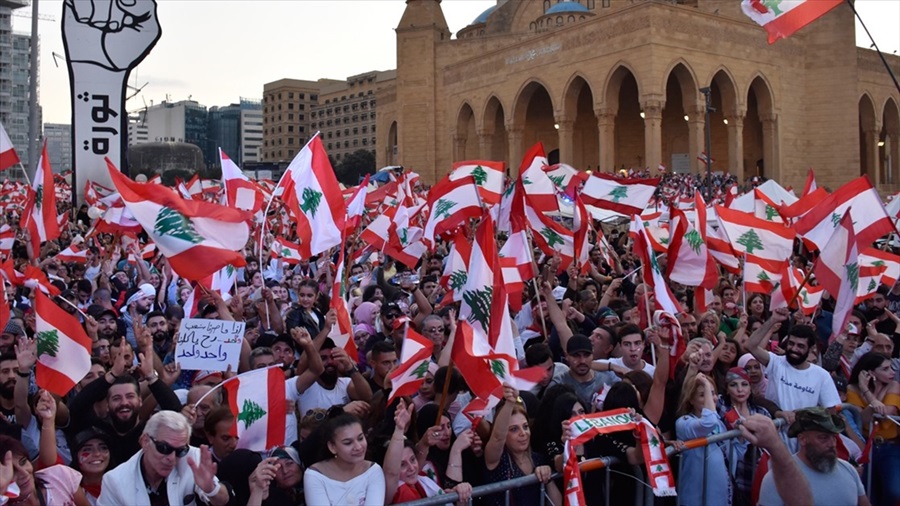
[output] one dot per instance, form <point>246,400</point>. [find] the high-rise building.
<point>287,123</point>
<point>59,145</point>
<point>137,128</point>
<point>237,129</point>
<point>346,112</point>
<point>15,64</point>
<point>184,121</point>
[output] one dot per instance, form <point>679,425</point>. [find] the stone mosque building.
<point>610,84</point>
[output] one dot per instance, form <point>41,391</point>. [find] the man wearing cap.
<point>12,332</point>
<point>794,383</point>
<point>391,313</point>
<point>585,381</point>
<point>833,481</point>
<point>140,300</point>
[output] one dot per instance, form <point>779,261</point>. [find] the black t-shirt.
<point>8,426</point>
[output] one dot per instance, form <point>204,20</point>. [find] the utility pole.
<point>709,108</point>
<point>34,127</point>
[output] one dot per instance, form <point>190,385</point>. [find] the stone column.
<point>872,155</point>
<point>606,127</point>
<point>771,164</point>
<point>485,144</point>
<point>697,136</point>
<point>652,133</point>
<point>736,145</point>
<point>459,147</point>
<point>566,132</point>
<point>892,152</point>
<point>514,139</point>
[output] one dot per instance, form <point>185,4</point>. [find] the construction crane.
<point>42,17</point>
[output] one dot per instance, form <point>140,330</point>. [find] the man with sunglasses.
<point>166,470</point>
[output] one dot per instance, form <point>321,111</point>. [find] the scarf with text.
<point>585,427</point>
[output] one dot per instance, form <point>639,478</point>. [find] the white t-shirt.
<point>793,388</point>
<point>648,367</point>
<point>317,396</point>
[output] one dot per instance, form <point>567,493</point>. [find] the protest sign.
<point>210,345</point>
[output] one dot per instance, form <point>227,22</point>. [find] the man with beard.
<point>8,371</point>
<point>794,383</point>
<point>138,303</point>
<point>832,480</point>
<point>123,396</point>
<point>163,344</point>
<point>585,381</point>
<point>351,389</point>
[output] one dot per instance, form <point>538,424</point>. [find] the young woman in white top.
<point>344,476</point>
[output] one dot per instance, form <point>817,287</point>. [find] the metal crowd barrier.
<point>604,463</point>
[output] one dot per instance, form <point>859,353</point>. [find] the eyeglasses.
<point>167,449</point>
<point>391,316</point>
<point>317,414</point>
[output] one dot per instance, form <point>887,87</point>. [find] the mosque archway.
<point>868,138</point>
<point>393,152</point>
<point>465,140</point>
<point>726,124</point>
<point>760,132</point>
<point>578,132</point>
<point>533,114</point>
<point>493,136</point>
<point>889,143</point>
<point>621,122</point>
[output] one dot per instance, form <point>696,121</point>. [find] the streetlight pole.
<point>34,126</point>
<point>709,108</point>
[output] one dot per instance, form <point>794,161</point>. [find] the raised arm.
<point>493,450</point>
<point>394,454</point>
<point>759,335</point>
<point>656,400</point>
<point>312,367</point>
<point>557,317</point>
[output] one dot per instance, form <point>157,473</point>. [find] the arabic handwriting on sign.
<point>192,351</point>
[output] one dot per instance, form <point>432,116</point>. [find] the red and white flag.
<point>39,216</point>
<point>651,273</point>
<point>415,357</point>
<point>762,275</point>
<point>240,192</point>
<point>876,258</point>
<point>63,348</point>
<point>342,330</point>
<point>257,400</point>
<point>489,176</point>
<point>689,261</point>
<point>287,251</point>
<point>837,270</point>
<point>8,155</point>
<point>551,237</point>
<point>72,254</point>
<point>810,185</point>
<point>704,158</point>
<point>716,239</point>
<point>562,174</point>
<point>581,228</point>
<point>356,206</point>
<point>754,236</point>
<point>198,238</point>
<point>869,218</point>
<point>624,196</point>
<point>764,208</point>
<point>535,182</point>
<point>456,268</point>
<point>451,203</point>
<point>517,254</point>
<point>312,193</point>
<point>781,19</point>
<point>7,239</point>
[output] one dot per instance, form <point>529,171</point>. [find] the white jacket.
<point>124,485</point>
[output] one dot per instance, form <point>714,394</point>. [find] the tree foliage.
<point>353,167</point>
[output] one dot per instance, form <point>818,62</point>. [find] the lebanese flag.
<point>810,185</point>
<point>415,356</point>
<point>379,236</point>
<point>715,238</point>
<point>39,216</point>
<point>197,238</point>
<point>757,237</point>
<point>550,236</point>
<point>240,192</point>
<point>457,267</point>
<point>8,155</point>
<point>562,174</point>
<point>468,355</point>
<point>875,258</point>
<point>257,400</point>
<point>787,16</point>
<point>762,275</point>
<point>356,206</point>
<point>689,261</point>
<point>489,176</point>
<point>4,307</point>
<point>517,254</point>
<point>869,218</point>
<point>809,298</point>
<point>535,182</point>
<point>63,348</point>
<point>764,208</point>
<point>803,205</point>
<point>117,219</point>
<point>342,330</point>
<point>451,203</point>
<point>404,240</point>
<point>837,270</point>
<point>34,278</point>
<point>314,197</point>
<point>7,239</point>
<point>287,251</point>
<point>650,272</point>
<point>791,279</point>
<point>581,228</point>
<point>869,277</point>
<point>657,231</point>
<point>72,254</point>
<point>624,196</point>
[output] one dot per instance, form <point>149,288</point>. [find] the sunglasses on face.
<point>167,449</point>
<point>392,316</point>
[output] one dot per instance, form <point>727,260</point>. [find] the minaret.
<point>421,30</point>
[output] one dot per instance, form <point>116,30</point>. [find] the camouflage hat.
<point>815,419</point>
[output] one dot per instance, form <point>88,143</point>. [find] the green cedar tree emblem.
<point>171,222</point>
<point>694,240</point>
<point>853,275</point>
<point>763,276</point>
<point>404,235</point>
<point>772,5</point>
<point>48,343</point>
<point>659,468</point>
<point>525,180</point>
<point>618,193</point>
<point>285,252</point>
<point>750,240</point>
<point>458,279</point>
<point>229,270</point>
<point>805,296</point>
<point>311,201</point>
<point>250,413</point>
<point>872,286</point>
<point>421,369</point>
<point>552,236</point>
<point>878,263</point>
<point>664,240</point>
<point>498,368</point>
<point>653,263</point>
<point>442,208</point>
<point>557,180</point>
<point>835,219</point>
<point>479,301</point>
<point>509,189</point>
<point>654,442</point>
<point>480,175</point>
<point>771,213</point>
<point>39,196</point>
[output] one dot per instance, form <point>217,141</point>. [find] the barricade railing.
<point>604,463</point>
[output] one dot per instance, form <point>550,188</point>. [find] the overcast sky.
<point>218,51</point>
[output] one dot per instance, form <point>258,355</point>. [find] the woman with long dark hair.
<point>56,485</point>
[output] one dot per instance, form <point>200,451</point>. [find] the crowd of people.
<point>140,430</point>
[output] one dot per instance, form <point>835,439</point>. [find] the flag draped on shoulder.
<point>257,400</point>
<point>39,216</point>
<point>63,348</point>
<point>312,193</point>
<point>489,176</point>
<point>198,238</point>
<point>781,19</point>
<point>624,196</point>
<point>837,270</point>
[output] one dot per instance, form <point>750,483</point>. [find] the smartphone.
<point>256,296</point>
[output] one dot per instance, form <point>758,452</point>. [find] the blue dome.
<point>482,18</point>
<point>566,6</point>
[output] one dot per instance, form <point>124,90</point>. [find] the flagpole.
<point>649,319</point>
<point>76,308</point>
<point>214,388</point>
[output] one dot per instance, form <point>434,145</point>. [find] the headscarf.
<point>756,388</point>
<point>365,313</point>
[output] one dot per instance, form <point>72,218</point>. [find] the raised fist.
<point>114,34</point>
